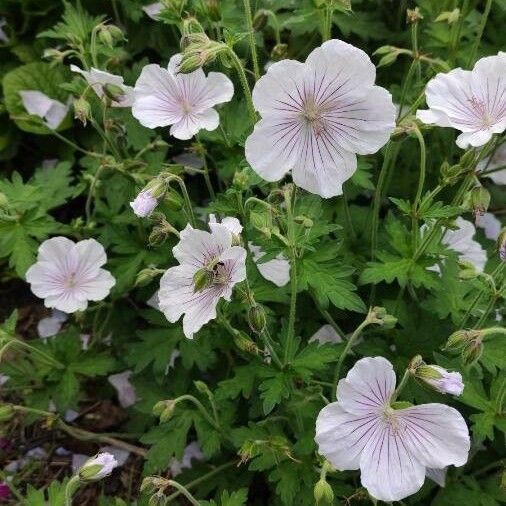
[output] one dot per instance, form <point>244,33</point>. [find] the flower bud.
<point>440,379</point>
<point>260,20</point>
<point>157,499</point>
<point>279,52</point>
<point>113,92</point>
<point>201,387</point>
<point>304,221</point>
<point>4,201</point>
<point>241,179</point>
<point>323,492</point>
<point>6,412</point>
<point>472,351</point>
<point>144,204</point>
<point>467,270</point>
<point>109,34</point>
<point>167,412</point>
<point>82,110</point>
<point>461,338</point>
<point>159,407</point>
<point>202,279</point>
<point>98,467</point>
<point>256,318</point>
<point>213,9</point>
<point>413,15</point>
<point>477,200</point>
<point>467,159</point>
<point>380,316</point>
<point>145,276</point>
<point>157,236</point>
<point>244,343</point>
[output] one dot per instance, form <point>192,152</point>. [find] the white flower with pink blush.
<point>52,112</point>
<point>209,268</point>
<point>144,204</point>
<point>393,448</point>
<point>445,382</point>
<point>472,101</point>
<point>316,116</point>
<point>67,274</point>
<point>166,97</point>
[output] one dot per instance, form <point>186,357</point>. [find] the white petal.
<point>271,149</point>
<point>367,387</point>
<point>125,390</point>
<point>233,225</point>
<point>152,10</point>
<point>234,259</point>
<point>91,256</point>
<point>219,89</point>
<point>189,125</point>
<point>59,251</point>
<point>341,436</point>
<point>322,166</point>
<point>435,434</point>
<point>66,301</point>
<point>474,139</point>
<point>326,334</point>
<point>437,475</point>
<point>49,326</point>
<point>39,104</point>
<point>491,225</point>
<point>96,288</point>
<point>276,270</point>
<point>388,470</point>
<point>433,117</point>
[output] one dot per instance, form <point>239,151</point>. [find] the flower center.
<point>71,281</point>
<point>214,273</point>
<point>480,109</point>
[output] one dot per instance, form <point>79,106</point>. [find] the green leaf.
<point>274,389</point>
<point>34,76</point>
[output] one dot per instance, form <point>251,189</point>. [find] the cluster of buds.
<point>413,16</point>
<point>437,377</point>
<point>161,230</point>
<point>469,342</point>
<point>380,316</point>
<point>155,486</point>
<point>198,50</point>
<point>109,34</point>
<point>164,410</point>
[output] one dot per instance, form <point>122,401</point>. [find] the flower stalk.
<point>251,37</point>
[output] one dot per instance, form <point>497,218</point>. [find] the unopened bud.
<point>323,492</point>
<point>461,338</point>
<point>467,270</point>
<point>145,276</point>
<point>279,52</point>
<point>109,34</point>
<point>241,179</point>
<point>4,201</point>
<point>82,110</point>
<point>201,387</point>
<point>159,407</point>
<point>380,316</point>
<point>113,92</point>
<point>244,343</point>
<point>440,379</point>
<point>256,318</point>
<point>6,412</point>
<point>260,20</point>
<point>54,54</point>
<point>501,245</point>
<point>157,499</point>
<point>477,200</point>
<point>193,34</point>
<point>472,351</point>
<point>467,159</point>
<point>202,279</point>
<point>413,15</point>
<point>98,467</point>
<point>304,221</point>
<point>157,236</point>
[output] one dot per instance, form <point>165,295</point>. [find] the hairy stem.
<point>419,191</point>
<point>251,37</point>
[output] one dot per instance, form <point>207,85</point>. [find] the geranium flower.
<point>392,447</point>
<point>316,115</point>
<point>496,161</point>
<point>276,270</point>
<point>446,382</point>
<point>472,101</point>
<point>98,79</point>
<point>490,224</point>
<point>209,268</point>
<point>51,325</point>
<point>165,97</point>
<point>98,467</point>
<point>51,111</point>
<point>67,274</point>
<point>126,392</point>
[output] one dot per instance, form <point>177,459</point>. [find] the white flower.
<point>461,241</point>
<point>326,334</point>
<point>3,36</point>
<point>316,115</point>
<point>51,325</point>
<point>165,97</point>
<point>391,447</point>
<point>152,10</point>
<point>276,270</point>
<point>472,101</point>
<point>67,274</point>
<point>209,268</point>
<point>233,225</point>
<point>192,451</point>
<point>125,390</point>
<point>51,111</point>
<point>490,224</point>
<point>98,467</point>
<point>144,204</point>
<point>98,79</point>
<point>496,161</point>
<point>446,383</point>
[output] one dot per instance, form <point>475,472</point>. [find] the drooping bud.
<point>413,15</point>
<point>113,92</point>
<point>472,351</point>
<point>82,110</point>
<point>380,316</point>
<point>440,379</point>
<point>109,34</point>
<point>145,276</point>
<point>260,20</point>
<point>144,204</point>
<point>304,221</point>
<point>241,179</point>
<point>461,338</point>
<point>323,492</point>
<point>157,236</point>
<point>279,52</point>
<point>467,270</point>
<point>244,343</point>
<point>164,410</point>
<point>477,200</point>
<point>256,318</point>
<point>6,412</point>
<point>157,499</point>
<point>98,467</point>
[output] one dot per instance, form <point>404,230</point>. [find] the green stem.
<point>378,195</point>
<point>406,84</point>
<point>91,193</point>
<point>71,488</point>
<point>481,29</point>
<point>244,83</point>
<point>15,341</point>
<point>182,490</point>
<point>419,191</point>
<point>201,408</point>
<point>203,478</point>
<point>74,145</point>
<point>493,330</point>
<point>349,345</point>
<point>186,198</point>
<point>251,36</point>
<point>270,346</point>
<point>401,385</point>
<point>347,214</point>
